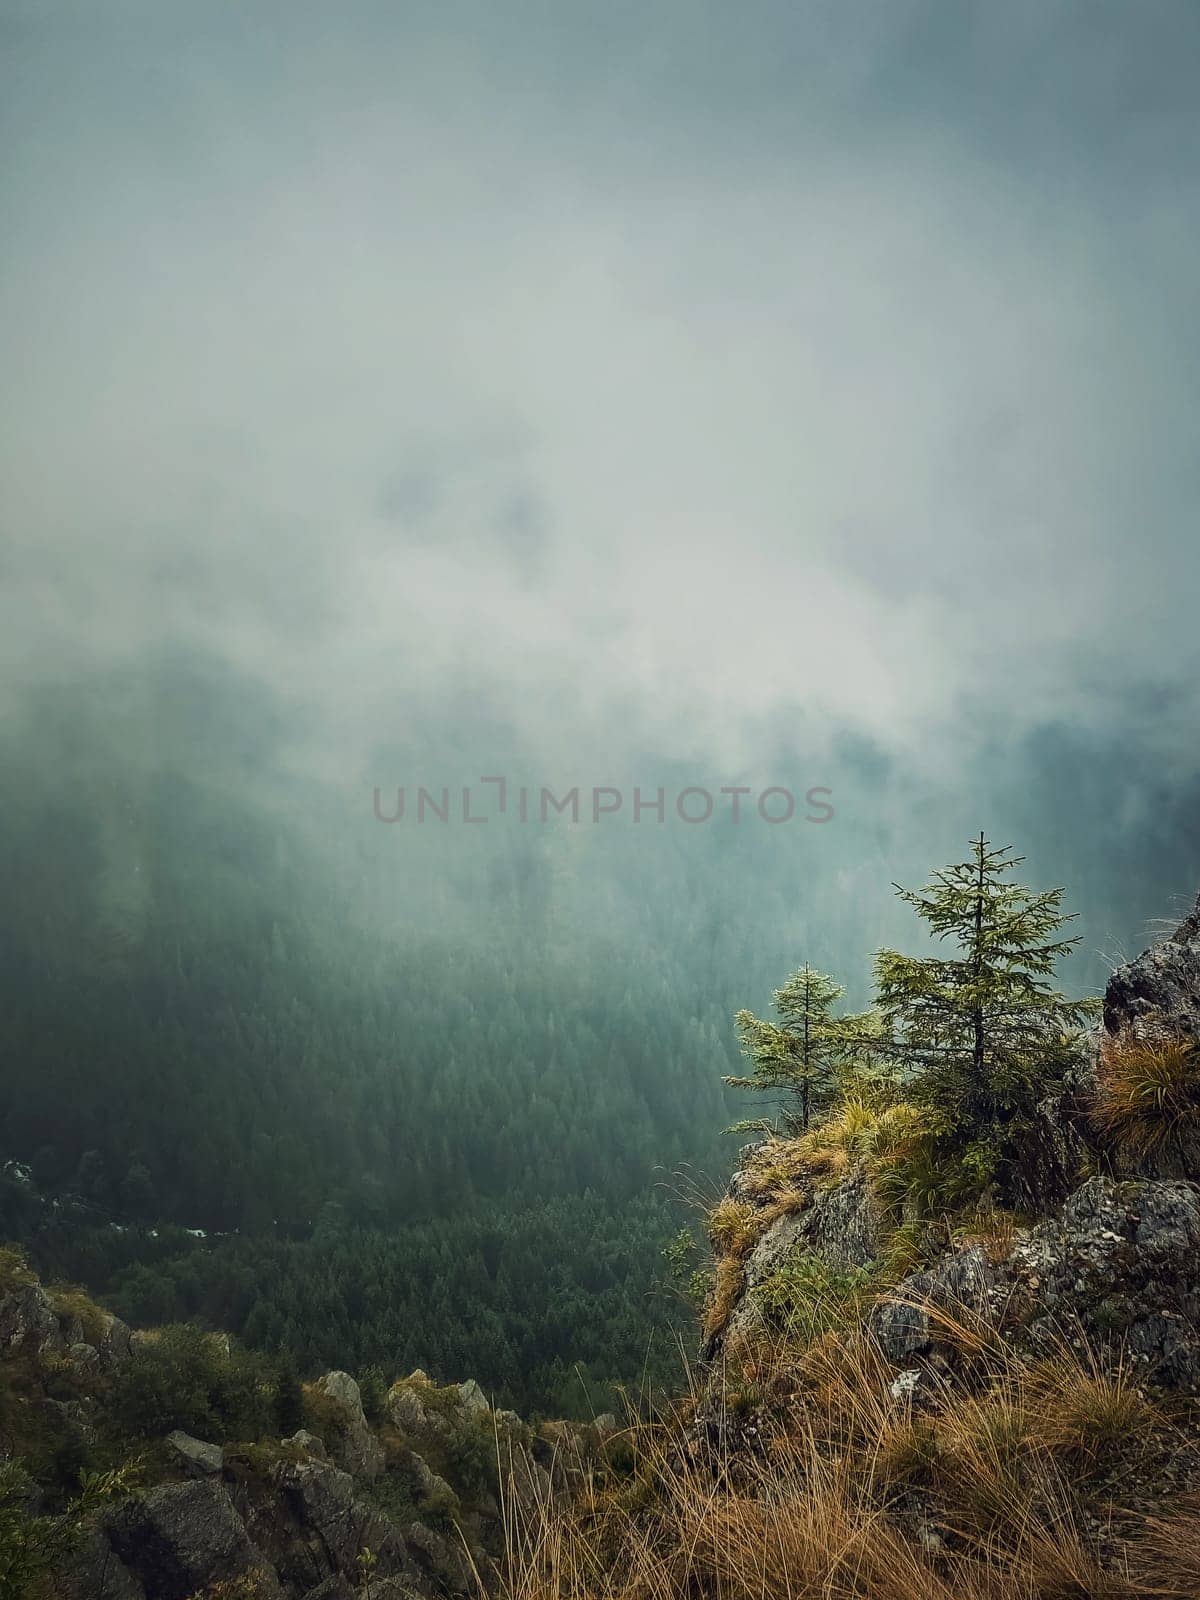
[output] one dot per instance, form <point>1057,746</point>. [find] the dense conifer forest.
<point>432,1098</point>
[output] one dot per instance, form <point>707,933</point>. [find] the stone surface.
<point>27,1318</point>
<point>1122,1263</point>
<point>911,1318</point>
<point>93,1571</point>
<point>355,1446</point>
<point>473,1398</point>
<point>198,1459</point>
<point>1161,987</point>
<point>184,1536</point>
<point>308,1443</point>
<point>839,1224</point>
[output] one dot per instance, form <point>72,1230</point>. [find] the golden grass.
<point>733,1227</point>
<point>837,1488</point>
<point>1148,1094</point>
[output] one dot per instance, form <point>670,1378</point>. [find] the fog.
<point>806,392</point>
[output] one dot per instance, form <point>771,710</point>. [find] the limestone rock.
<point>473,1398</point>
<point>839,1224</point>
<point>28,1319</point>
<point>84,1358</point>
<point>1122,1262</point>
<point>335,1587</point>
<point>308,1443</point>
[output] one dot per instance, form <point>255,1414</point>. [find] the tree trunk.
<point>977,1068</point>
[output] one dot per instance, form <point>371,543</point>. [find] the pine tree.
<point>799,1054</point>
<point>975,1030</point>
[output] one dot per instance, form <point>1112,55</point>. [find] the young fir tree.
<point>977,1030</point>
<point>799,1055</point>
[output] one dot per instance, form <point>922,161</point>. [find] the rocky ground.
<point>409,1505</point>
<point>1002,1402</point>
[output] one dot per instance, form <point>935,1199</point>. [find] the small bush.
<point>14,1272</point>
<point>72,1302</point>
<point>184,1378</point>
<point>807,1297</point>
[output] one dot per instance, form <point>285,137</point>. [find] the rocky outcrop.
<point>1118,1266</point>
<point>94,1571</point>
<point>839,1224</point>
<point>197,1459</point>
<point>354,1445</point>
<point>183,1536</point>
<point>339,1510</point>
<point>28,1319</point>
<point>1160,990</point>
<point>35,1322</point>
<point>916,1316</point>
<point>1114,1258</point>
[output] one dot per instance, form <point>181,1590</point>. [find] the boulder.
<point>354,1446</point>
<point>93,1571</point>
<point>839,1224</point>
<point>199,1460</point>
<point>914,1316</point>
<point>116,1343</point>
<point>85,1359</point>
<point>473,1398</point>
<point>314,1527</point>
<point>183,1537</point>
<point>333,1588</point>
<point>1160,989</point>
<point>1120,1263</point>
<point>308,1443</point>
<point>321,1501</point>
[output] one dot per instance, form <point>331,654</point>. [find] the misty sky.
<point>677,369</point>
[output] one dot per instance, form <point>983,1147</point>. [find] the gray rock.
<point>315,1527</point>
<point>335,1587</point>
<point>84,1358</point>
<point>473,1398</point>
<point>406,1409</point>
<point>115,1345</point>
<point>198,1459</point>
<point>321,1499</point>
<point>906,1322</point>
<point>28,1319</point>
<point>93,1571</point>
<point>308,1443</point>
<point>184,1536</point>
<point>356,1448</point>
<point>1121,1264</point>
<point>1161,988</point>
<point>839,1224</point>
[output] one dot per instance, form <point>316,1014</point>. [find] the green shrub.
<point>184,1378</point>
<point>807,1297</point>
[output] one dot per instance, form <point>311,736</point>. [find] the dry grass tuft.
<point>1148,1096</point>
<point>979,1490</point>
<point>733,1228</point>
<point>727,1287</point>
